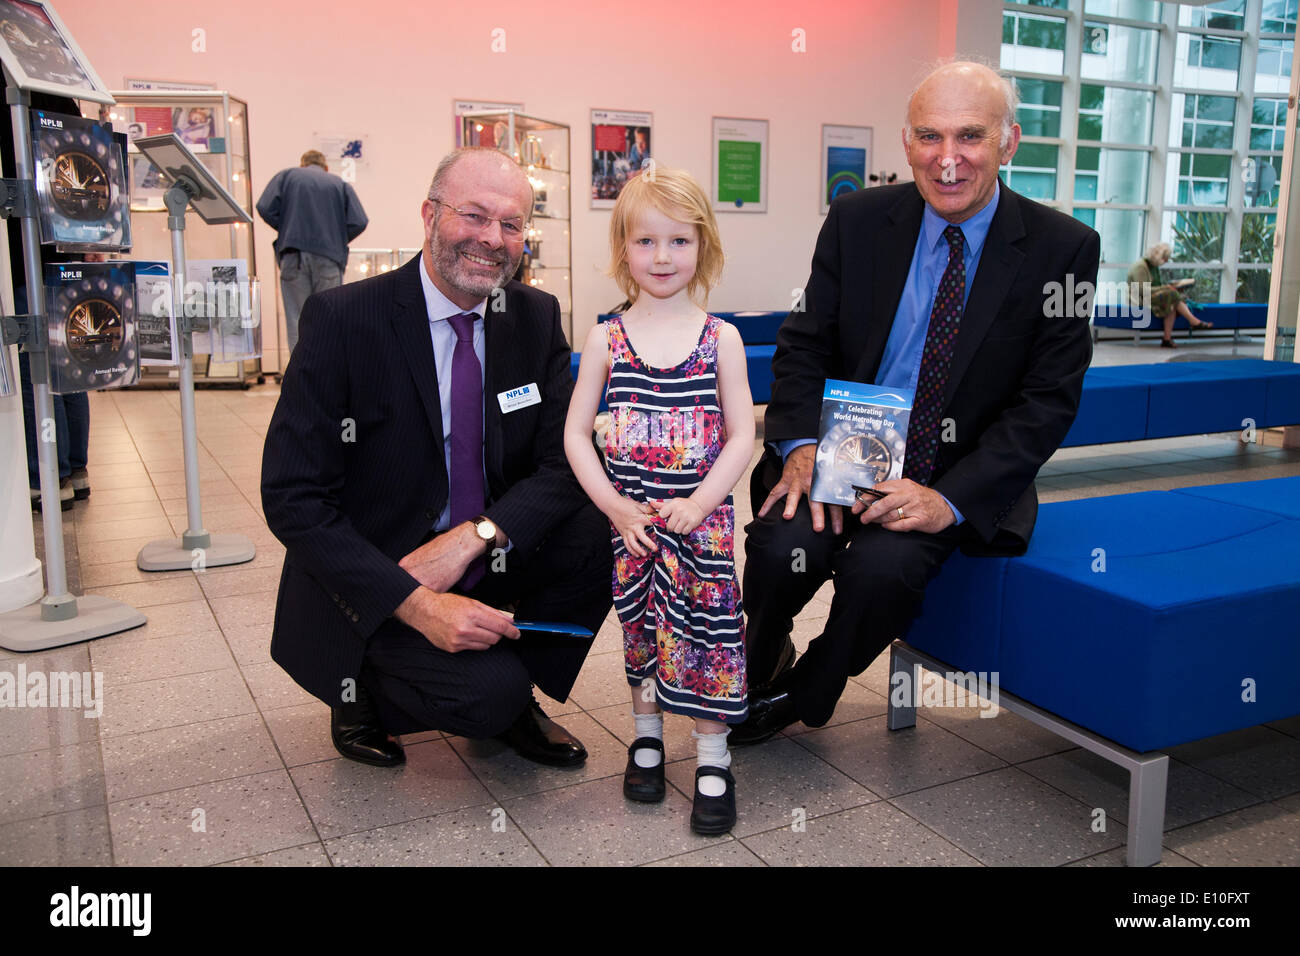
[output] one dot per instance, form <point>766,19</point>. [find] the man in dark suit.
<point>945,286</point>
<point>415,471</point>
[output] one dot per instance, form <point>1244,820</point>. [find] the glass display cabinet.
<point>364,263</point>
<point>214,125</point>
<point>541,148</point>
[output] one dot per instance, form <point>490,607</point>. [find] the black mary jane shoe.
<point>644,784</point>
<point>713,816</point>
<point>358,735</point>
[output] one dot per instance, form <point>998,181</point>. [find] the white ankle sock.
<point>711,751</point>
<point>648,725</point>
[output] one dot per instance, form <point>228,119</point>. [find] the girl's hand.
<point>681,515</point>
<point>630,519</point>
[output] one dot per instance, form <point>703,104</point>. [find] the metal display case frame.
<point>229,131</point>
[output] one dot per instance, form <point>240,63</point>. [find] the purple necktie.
<point>466,435</point>
<point>949,301</point>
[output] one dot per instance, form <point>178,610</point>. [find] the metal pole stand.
<point>196,549</point>
<point>58,618</point>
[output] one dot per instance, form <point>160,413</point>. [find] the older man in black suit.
<point>415,471</point>
<point>952,286</point>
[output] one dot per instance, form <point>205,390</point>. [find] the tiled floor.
<point>207,753</point>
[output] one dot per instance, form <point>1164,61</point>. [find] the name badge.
<point>516,398</point>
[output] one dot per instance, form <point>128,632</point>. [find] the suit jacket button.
<point>334,598</point>
<point>430,514</point>
<point>355,618</point>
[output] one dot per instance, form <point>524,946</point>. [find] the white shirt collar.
<point>439,306</point>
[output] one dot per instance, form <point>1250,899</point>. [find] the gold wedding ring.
<point>901,516</point>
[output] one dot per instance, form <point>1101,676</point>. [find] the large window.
<point>1158,122</point>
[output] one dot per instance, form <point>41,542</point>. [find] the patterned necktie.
<point>923,429</point>
<point>466,434</point>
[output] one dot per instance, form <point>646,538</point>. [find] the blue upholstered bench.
<point>1227,317</point>
<point>1131,402</point>
<point>1134,623</point>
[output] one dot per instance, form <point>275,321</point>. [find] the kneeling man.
<point>415,471</point>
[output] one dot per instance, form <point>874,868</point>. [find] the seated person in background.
<point>1166,300</point>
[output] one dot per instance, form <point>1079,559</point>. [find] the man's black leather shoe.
<point>783,667</point>
<point>768,715</point>
<point>536,737</point>
<point>712,816</point>
<point>357,734</point>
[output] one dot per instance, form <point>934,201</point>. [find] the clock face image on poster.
<point>92,326</point>
<point>848,455</point>
<point>81,183</point>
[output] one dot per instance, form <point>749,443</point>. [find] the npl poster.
<point>739,165</point>
<point>620,150</point>
<point>846,157</point>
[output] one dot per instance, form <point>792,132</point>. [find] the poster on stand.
<point>92,325</point>
<point>40,54</point>
<point>846,157</point>
<point>80,183</point>
<point>216,293</point>
<point>620,150</point>
<point>739,165</point>
<point>155,320</point>
<point>237,328</point>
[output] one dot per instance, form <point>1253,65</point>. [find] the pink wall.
<point>389,71</point>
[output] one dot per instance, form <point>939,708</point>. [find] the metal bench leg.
<point>1146,810</point>
<point>901,717</point>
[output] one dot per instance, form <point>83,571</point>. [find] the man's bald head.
<point>968,76</point>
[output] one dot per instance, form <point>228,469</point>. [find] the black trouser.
<point>879,576</point>
<point>417,686</point>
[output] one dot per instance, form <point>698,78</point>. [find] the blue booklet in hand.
<point>554,627</point>
<point>863,438</point>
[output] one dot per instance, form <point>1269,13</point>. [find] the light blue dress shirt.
<point>901,363</point>
<point>440,309</point>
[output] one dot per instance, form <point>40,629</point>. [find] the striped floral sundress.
<point>680,605</point>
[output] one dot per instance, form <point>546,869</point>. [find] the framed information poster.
<point>846,157</point>
<point>40,54</point>
<point>620,149</point>
<point>739,165</point>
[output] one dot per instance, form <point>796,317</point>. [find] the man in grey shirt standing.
<point>316,215</point>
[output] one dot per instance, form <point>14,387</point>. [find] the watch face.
<point>865,454</point>
<point>95,332</point>
<point>486,530</point>
<point>79,185</point>
<point>92,329</point>
<point>847,456</point>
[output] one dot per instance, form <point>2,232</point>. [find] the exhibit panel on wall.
<point>846,157</point>
<point>620,149</point>
<point>740,161</point>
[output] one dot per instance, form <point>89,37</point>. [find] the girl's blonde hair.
<point>678,196</point>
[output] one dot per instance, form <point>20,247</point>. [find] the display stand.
<point>190,183</point>
<point>60,617</point>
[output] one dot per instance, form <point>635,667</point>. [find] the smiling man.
<point>415,471</point>
<point>941,286</point>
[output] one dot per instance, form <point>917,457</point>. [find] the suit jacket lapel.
<point>999,262</point>
<point>411,325</point>
<point>892,259</point>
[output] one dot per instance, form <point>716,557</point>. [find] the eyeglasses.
<point>510,228</point>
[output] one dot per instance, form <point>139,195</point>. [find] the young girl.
<point>681,433</point>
